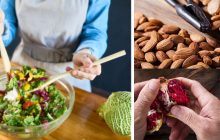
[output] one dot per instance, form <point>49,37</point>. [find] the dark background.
<point>116,75</point>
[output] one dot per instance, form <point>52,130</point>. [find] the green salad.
<point>20,108</point>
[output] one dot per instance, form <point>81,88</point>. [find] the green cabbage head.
<point>116,112</point>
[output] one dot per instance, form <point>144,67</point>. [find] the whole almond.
<point>141,39</point>
<point>197,38</point>
<point>205,46</point>
<point>203,65</point>
<point>143,43</point>
<point>137,16</point>
<point>161,56</point>
<point>170,54</point>
<point>195,67</point>
<point>183,53</point>
<point>190,61</point>
<point>152,42</point>
<point>155,22</point>
<point>151,28</point>
<point>137,35</point>
<point>213,6</point>
<point>169,29</point>
<point>165,36</point>
<point>216,25</point>
<point>142,20</point>
<point>180,46</point>
<point>205,53</point>
<point>217,51</point>
<point>176,38</point>
<point>146,65</point>
<point>142,26</point>
<point>138,54</point>
<point>216,17</point>
<point>165,45</point>
<point>165,64</point>
<point>216,61</point>
<point>183,33</point>
<point>207,60</point>
<point>150,57</point>
<point>177,64</point>
<point>212,42</point>
<point>194,46</point>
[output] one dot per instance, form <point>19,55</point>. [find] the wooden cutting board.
<point>159,9</point>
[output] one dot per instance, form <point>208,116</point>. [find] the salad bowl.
<point>38,131</point>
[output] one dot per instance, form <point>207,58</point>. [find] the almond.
<point>152,42</point>
<point>169,29</point>
<point>143,43</point>
<point>183,53</point>
<point>207,60</point>
<point>203,65</point>
<point>177,64</point>
<point>180,46</point>
<point>151,28</point>
<point>195,67</point>
<point>146,65</point>
<point>155,22</point>
<point>137,16</point>
<point>197,38</point>
<point>216,17</point>
<point>137,35</point>
<point>141,39</point>
<point>212,42</point>
<point>216,25</point>
<point>216,61</point>
<point>205,46</point>
<point>142,26</point>
<point>161,56</point>
<point>190,61</point>
<point>150,57</point>
<point>170,54</point>
<point>213,6</point>
<point>187,41</point>
<point>194,46</point>
<point>165,64</point>
<point>205,53</point>
<point>142,20</point>
<point>165,45</point>
<point>217,51</point>
<point>165,36</point>
<point>138,54</point>
<point>183,33</point>
<point>176,39</point>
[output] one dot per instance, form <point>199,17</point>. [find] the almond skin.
<point>183,53</point>
<point>195,67</point>
<point>183,33</point>
<point>161,56</point>
<point>207,60</point>
<point>194,46</point>
<point>212,42</point>
<point>177,64</point>
<point>197,38</point>
<point>190,61</point>
<point>165,64</point>
<point>216,61</point>
<point>205,53</point>
<point>146,65</point>
<point>180,46</point>
<point>217,51</point>
<point>138,54</point>
<point>165,45</point>
<point>150,57</point>
<point>152,42</point>
<point>176,39</point>
<point>203,65</point>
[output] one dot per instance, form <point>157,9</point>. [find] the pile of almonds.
<point>163,46</point>
<point>212,7</point>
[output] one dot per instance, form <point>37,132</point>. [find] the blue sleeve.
<point>94,33</point>
<point>8,7</point>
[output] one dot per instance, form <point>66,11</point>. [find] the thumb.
<point>147,96</point>
<point>187,116</point>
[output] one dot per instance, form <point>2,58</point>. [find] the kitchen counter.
<point>84,123</point>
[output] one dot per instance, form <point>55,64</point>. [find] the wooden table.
<point>84,122</point>
<point>159,9</point>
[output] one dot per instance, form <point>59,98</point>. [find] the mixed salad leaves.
<point>20,108</point>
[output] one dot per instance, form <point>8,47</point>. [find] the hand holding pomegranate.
<point>204,120</point>
<point>145,92</point>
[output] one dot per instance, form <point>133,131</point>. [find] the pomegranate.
<point>171,93</point>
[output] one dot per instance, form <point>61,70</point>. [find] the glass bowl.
<point>36,132</point>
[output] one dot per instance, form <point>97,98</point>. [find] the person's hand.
<point>83,65</point>
<point>145,92</point>
<point>203,119</point>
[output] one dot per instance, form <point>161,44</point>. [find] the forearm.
<point>94,33</point>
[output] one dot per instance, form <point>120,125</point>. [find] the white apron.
<point>50,30</point>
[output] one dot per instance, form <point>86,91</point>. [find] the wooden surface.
<point>159,9</point>
<point>84,122</point>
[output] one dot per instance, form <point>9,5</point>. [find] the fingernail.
<point>154,84</point>
<point>74,72</point>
